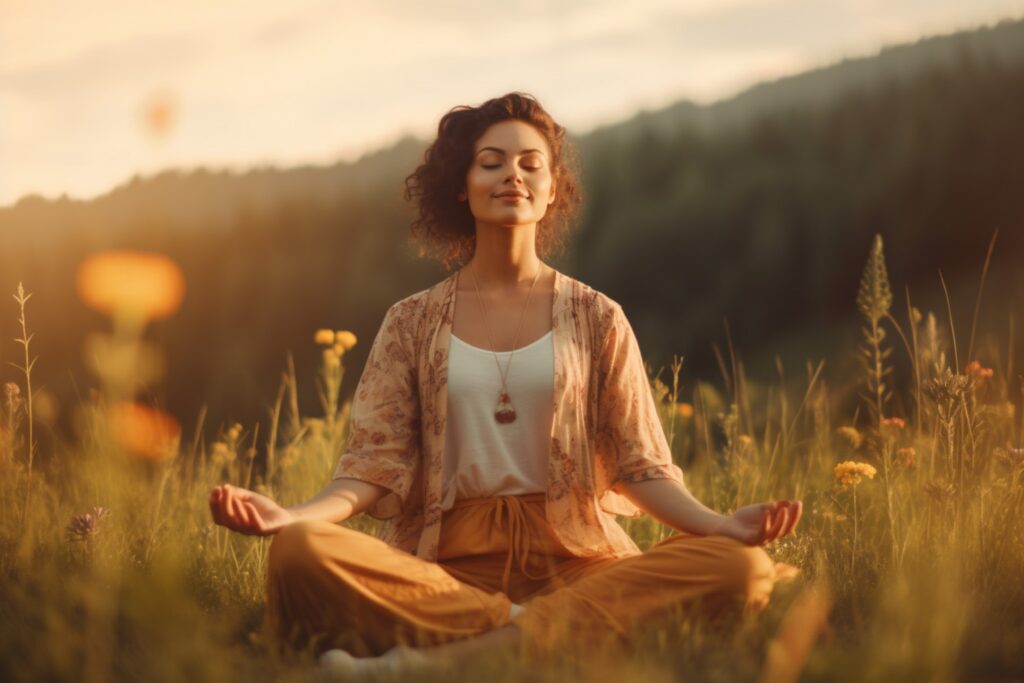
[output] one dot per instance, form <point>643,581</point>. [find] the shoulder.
<point>600,309</point>
<point>410,314</point>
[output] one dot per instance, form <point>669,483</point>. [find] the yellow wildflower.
<point>849,473</point>
<point>324,336</point>
<point>684,409</point>
<point>345,338</point>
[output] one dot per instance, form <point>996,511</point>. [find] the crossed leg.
<point>334,587</point>
<point>354,592</point>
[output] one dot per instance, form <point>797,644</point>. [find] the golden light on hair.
<point>135,283</point>
<point>144,432</point>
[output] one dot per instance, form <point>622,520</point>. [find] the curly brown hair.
<point>444,228</point>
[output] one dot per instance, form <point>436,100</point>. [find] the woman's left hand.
<point>761,523</point>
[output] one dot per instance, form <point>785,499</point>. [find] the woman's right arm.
<point>251,513</point>
<point>340,499</point>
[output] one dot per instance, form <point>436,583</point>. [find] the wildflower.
<point>849,473</point>
<point>874,296</point>
<point>324,336</point>
<point>345,338</point>
<point>11,391</point>
<point>894,422</point>
<point>144,432</point>
<point>84,527</point>
<point>852,435</point>
<point>144,284</point>
<point>907,455</point>
<point>234,431</point>
<point>975,370</point>
<point>685,410</point>
<point>947,387</point>
<point>331,359</point>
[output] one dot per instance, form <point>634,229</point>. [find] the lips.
<point>512,193</point>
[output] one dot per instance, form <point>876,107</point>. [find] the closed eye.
<point>528,168</point>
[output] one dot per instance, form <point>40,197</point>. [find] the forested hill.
<point>759,209</point>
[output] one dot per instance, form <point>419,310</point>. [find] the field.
<point>911,546</point>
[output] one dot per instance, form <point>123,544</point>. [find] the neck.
<point>505,258</point>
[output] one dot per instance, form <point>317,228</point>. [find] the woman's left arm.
<point>671,503</point>
<point>631,441</point>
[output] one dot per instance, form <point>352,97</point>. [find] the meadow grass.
<point>911,545</point>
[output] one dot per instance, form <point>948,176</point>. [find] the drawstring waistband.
<point>518,528</point>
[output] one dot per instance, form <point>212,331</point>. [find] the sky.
<point>92,93</point>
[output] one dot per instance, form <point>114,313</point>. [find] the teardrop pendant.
<point>505,413</point>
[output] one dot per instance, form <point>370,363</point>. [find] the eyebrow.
<point>501,151</point>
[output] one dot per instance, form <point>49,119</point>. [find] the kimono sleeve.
<point>383,444</point>
<point>630,434</point>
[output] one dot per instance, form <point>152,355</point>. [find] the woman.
<point>499,482</point>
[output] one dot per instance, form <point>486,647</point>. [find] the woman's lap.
<point>392,596</point>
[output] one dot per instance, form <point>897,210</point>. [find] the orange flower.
<point>144,432</point>
<point>975,369</point>
<point>684,409</point>
<point>141,284</point>
<point>894,422</point>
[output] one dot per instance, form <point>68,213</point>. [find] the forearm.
<point>340,499</point>
<point>671,503</point>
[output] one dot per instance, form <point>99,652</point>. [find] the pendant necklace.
<point>505,412</point>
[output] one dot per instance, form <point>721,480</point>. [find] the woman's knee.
<point>748,571</point>
<point>737,567</point>
<point>297,544</point>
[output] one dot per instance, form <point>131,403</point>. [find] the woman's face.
<point>509,180</point>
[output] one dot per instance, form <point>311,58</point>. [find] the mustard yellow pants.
<point>334,587</point>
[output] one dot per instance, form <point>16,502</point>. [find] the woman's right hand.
<point>246,511</point>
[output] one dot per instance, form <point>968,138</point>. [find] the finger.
<point>229,506</point>
<point>779,523</point>
<point>796,511</point>
<point>766,520</point>
<point>215,511</point>
<point>239,513</point>
<point>254,515</point>
<point>217,507</point>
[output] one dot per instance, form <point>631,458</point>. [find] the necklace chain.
<point>504,397</point>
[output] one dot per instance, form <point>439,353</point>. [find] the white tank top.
<point>483,457</point>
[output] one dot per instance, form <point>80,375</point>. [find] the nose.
<point>515,176</point>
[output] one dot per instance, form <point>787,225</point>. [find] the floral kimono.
<point>605,428</point>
